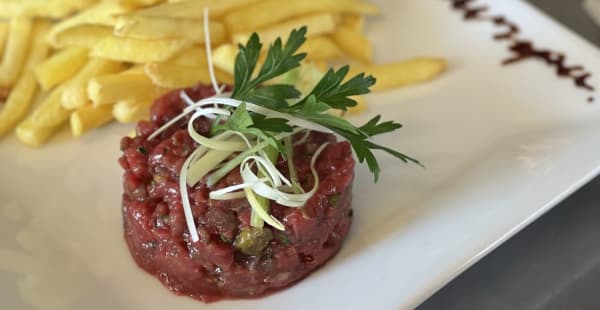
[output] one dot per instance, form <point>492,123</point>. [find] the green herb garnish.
<point>332,92</point>
<point>256,124</point>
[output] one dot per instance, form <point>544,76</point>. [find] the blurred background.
<point>555,262</point>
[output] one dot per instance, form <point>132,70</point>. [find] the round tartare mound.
<point>231,259</point>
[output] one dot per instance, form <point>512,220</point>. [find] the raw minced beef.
<point>215,267</point>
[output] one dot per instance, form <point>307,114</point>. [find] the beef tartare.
<point>231,258</point>
<point>235,192</point>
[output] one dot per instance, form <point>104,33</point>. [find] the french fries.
<point>195,56</point>
<point>317,24</point>
<point>100,14</point>
<point>138,51</point>
<point>178,76</point>
<point>354,43</point>
<point>267,12</point>
<point>21,97</point>
<point>3,35</point>
<point>85,36</point>
<point>352,21</point>
<point>19,40</point>
<point>404,73</point>
<point>61,66</point>
<point>108,89</point>
<point>46,8</point>
<point>134,4</point>
<point>75,94</point>
<point>224,57</point>
<point>321,48</point>
<point>88,62</point>
<point>4,90</point>
<point>89,117</point>
<point>195,8</point>
<point>127,111</point>
<point>157,28</point>
<point>44,121</point>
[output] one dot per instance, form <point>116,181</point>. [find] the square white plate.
<point>502,145</point>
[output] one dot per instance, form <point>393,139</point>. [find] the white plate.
<point>501,145</point>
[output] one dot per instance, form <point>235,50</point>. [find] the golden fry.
<point>85,36</point>
<point>137,69</point>
<point>89,117</point>
<point>61,66</point>
<point>321,48</point>
<point>360,107</point>
<point>75,93</point>
<point>115,57</point>
<point>4,92</point>
<point>21,97</point>
<point>101,14</point>
<point>108,89</point>
<point>317,24</point>
<point>269,12</point>
<point>19,40</point>
<point>355,22</point>
<point>44,121</point>
<point>195,56</point>
<point>176,76</point>
<point>63,8</point>
<point>9,9</point>
<point>404,73</point>
<point>129,111</point>
<point>135,4</point>
<point>354,44</point>
<point>156,28</point>
<point>3,36</point>
<point>195,8</point>
<point>223,57</point>
<point>46,8</point>
<point>138,51</point>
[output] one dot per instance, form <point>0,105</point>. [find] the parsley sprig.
<point>333,91</point>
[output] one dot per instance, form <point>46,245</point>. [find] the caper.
<point>252,240</point>
<point>333,199</point>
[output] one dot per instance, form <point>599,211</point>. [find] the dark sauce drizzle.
<point>524,49</point>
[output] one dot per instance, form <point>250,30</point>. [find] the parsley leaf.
<point>373,127</point>
<point>362,147</point>
<point>273,96</point>
<point>316,111</point>
<point>241,121</point>
<point>245,63</point>
<point>333,91</point>
<point>280,59</point>
<point>271,124</point>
